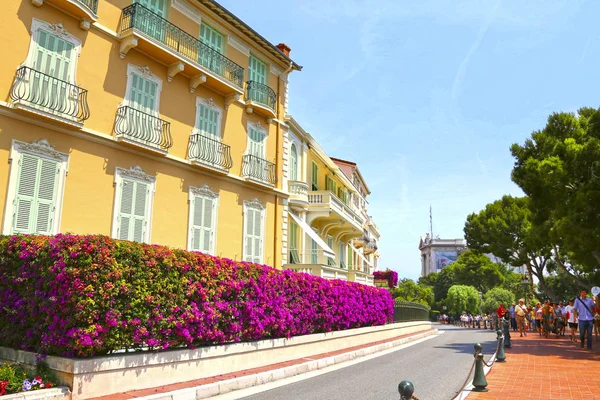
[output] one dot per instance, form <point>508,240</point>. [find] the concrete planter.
<point>99,376</point>
<point>58,393</point>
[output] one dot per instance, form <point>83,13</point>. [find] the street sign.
<point>596,290</point>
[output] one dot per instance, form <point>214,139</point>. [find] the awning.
<point>361,256</point>
<point>314,236</point>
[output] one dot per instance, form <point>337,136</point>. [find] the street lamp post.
<point>525,282</point>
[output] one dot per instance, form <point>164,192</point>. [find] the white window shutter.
<point>140,211</point>
<point>196,228</point>
<point>46,196</point>
<point>208,225</point>
<point>23,219</point>
<point>125,209</point>
<point>248,235</point>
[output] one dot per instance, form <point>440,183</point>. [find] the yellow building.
<point>327,231</point>
<point>158,121</point>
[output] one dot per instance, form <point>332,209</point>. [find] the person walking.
<point>571,320</point>
<point>547,318</point>
<point>521,313</point>
<point>584,310</point>
<point>538,317</point>
<point>513,321</point>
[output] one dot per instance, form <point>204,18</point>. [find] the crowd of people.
<point>581,313</point>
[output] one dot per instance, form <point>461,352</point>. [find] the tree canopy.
<point>408,290</point>
<point>495,297</point>
<point>477,270</point>
<point>558,167</point>
<point>462,298</point>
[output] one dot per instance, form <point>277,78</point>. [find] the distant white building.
<point>438,253</point>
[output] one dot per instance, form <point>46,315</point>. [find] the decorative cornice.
<point>42,148</point>
<point>238,44</point>
<point>209,102</point>
<point>136,172</point>
<point>255,203</point>
<point>275,70</point>
<point>187,9</point>
<point>58,30</point>
<point>256,125</point>
<point>145,71</point>
<point>203,190</point>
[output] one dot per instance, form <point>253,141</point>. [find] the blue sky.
<point>427,96</point>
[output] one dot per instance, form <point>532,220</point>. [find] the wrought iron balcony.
<point>50,95</point>
<point>258,169</point>
<point>261,95</point>
<point>138,19</point>
<point>137,127</point>
<point>371,247</point>
<point>86,10</point>
<point>207,151</point>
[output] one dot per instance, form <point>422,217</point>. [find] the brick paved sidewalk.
<point>548,369</point>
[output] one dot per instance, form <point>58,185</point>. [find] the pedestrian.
<point>557,317</point>
<point>513,320</point>
<point>597,319</point>
<point>538,317</point>
<point>571,320</point>
<point>547,318</point>
<point>521,313</point>
<point>532,324</point>
<point>563,317</point>
<point>584,308</point>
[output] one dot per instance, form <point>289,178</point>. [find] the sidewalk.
<point>220,384</point>
<point>548,369</point>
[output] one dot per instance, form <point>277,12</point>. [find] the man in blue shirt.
<point>513,320</point>
<point>584,310</point>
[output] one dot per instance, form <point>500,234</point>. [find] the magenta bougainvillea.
<point>83,296</point>
<point>388,275</point>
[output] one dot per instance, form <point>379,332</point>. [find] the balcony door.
<point>153,24</point>
<point>210,56</point>
<point>143,115</point>
<point>53,64</point>
<point>257,72</point>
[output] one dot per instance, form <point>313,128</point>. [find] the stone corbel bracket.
<point>127,44</point>
<point>196,81</point>
<point>174,69</point>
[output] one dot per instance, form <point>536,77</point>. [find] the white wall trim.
<point>135,173</point>
<point>187,9</point>
<point>238,45</point>
<point>40,148</point>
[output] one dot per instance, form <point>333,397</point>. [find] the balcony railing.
<point>327,198</point>
<point>50,95</point>
<point>261,94</point>
<point>140,18</point>
<point>259,169</point>
<point>298,187</point>
<point>210,151</point>
<point>140,127</point>
<point>92,5</point>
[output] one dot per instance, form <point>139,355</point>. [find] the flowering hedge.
<point>89,295</point>
<point>388,275</point>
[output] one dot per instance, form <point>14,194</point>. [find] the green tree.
<point>504,228</point>
<point>477,270</point>
<point>408,290</point>
<point>559,169</point>
<point>462,298</point>
<point>495,297</point>
<point>429,280</point>
<point>443,282</point>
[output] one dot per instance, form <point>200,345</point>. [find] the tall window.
<point>314,252</point>
<point>154,27</point>
<point>143,92</point>
<point>342,255</point>
<point>35,188</point>
<point>257,70</point>
<point>254,231</point>
<point>294,256</point>
<point>203,220</point>
<point>293,163</point>
<point>134,197</point>
<point>208,119</point>
<point>156,6</point>
<point>256,141</point>
<point>330,184</point>
<point>330,261</point>
<point>214,41</point>
<point>315,176</point>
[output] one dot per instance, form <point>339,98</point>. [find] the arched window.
<point>293,163</point>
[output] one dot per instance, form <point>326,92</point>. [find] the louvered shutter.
<point>257,70</point>
<point>203,224</point>
<point>208,122</point>
<point>257,143</point>
<point>133,210</point>
<point>315,177</point>
<point>258,236</point>
<point>314,252</point>
<point>37,184</point>
<point>293,163</point>
<point>142,94</point>
<point>211,38</point>
<point>249,235</point>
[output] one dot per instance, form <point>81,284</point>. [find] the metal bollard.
<point>500,355</point>
<point>479,381</point>
<point>406,390</point>
<point>506,327</point>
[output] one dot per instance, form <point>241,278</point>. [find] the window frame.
<point>42,149</point>
<point>56,29</point>
<point>314,183</point>
<point>144,73</point>
<point>135,173</point>
<point>210,104</point>
<point>294,150</point>
<point>206,192</point>
<point>256,205</point>
<point>212,26</point>
<point>256,126</point>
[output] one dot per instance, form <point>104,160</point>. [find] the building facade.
<point>157,121</point>
<point>329,231</point>
<point>438,253</point>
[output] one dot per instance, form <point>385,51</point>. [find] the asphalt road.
<point>437,367</point>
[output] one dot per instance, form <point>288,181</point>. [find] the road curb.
<point>243,382</point>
